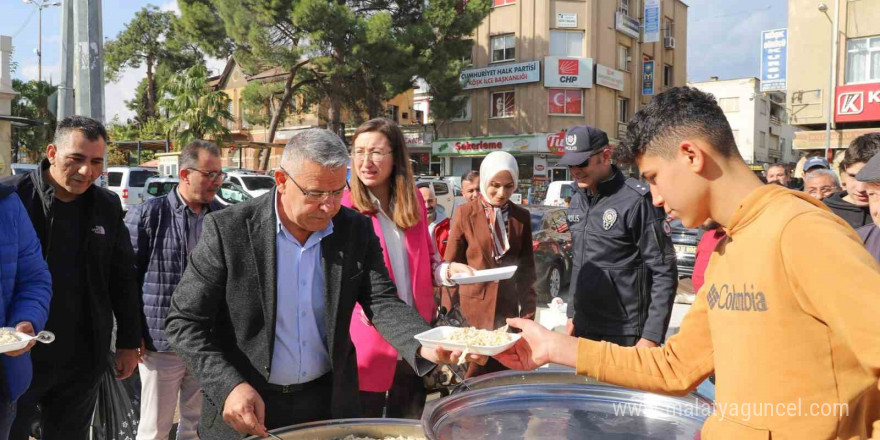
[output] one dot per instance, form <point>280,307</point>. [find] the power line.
<point>26,22</point>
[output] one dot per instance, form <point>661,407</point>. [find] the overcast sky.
<point>723,40</point>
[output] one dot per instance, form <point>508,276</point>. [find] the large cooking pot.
<point>553,374</point>
<point>564,411</point>
<point>338,429</point>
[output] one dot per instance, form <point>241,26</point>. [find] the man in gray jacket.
<point>262,313</point>
<point>164,231</point>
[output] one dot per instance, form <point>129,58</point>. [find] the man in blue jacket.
<point>164,231</point>
<point>25,293</point>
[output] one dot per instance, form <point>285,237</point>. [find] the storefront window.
<point>421,163</point>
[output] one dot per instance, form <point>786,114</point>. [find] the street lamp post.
<point>832,80</point>
<point>40,4</point>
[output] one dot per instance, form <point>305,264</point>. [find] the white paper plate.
<point>23,339</point>
<point>437,337</point>
<point>484,276</point>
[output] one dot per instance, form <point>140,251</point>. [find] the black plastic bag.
<point>116,415</point>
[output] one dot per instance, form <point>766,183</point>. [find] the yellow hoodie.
<point>789,320</point>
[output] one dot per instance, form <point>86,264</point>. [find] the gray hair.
<point>315,145</point>
<point>822,172</point>
<point>189,156</point>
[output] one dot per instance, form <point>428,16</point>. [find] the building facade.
<point>6,95</point>
<point>759,120</point>
<point>854,100</point>
<point>542,66</point>
<point>303,115</point>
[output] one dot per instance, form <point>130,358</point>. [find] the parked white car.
<point>557,192</point>
<point>254,184</point>
<point>228,194</point>
<point>128,183</point>
<point>445,192</point>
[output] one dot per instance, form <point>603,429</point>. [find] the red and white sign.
<point>857,103</point>
<point>565,101</point>
<point>570,72</point>
<point>556,143</point>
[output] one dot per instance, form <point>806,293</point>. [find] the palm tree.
<point>195,111</point>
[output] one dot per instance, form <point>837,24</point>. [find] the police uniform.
<point>624,277</point>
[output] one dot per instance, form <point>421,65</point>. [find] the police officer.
<point>624,278</point>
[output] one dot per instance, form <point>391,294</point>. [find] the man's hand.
<point>455,268</point>
<point>28,329</point>
<point>245,411</point>
<point>646,343</point>
<point>569,327</point>
<point>440,355</point>
<point>126,362</point>
<point>537,347</point>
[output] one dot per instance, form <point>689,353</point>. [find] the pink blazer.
<point>377,359</point>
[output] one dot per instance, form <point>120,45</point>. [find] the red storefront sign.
<point>857,103</point>
<point>556,143</point>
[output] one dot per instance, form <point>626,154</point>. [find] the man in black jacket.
<point>86,245</point>
<point>852,204</point>
<point>624,275</point>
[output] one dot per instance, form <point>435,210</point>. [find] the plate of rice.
<point>469,339</point>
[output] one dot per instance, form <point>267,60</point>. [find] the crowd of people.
<point>302,304</point>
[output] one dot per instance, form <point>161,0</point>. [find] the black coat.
<point>223,312</point>
<point>624,275</point>
<point>108,260</point>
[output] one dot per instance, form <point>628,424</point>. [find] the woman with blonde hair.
<point>383,188</point>
<point>488,232</point>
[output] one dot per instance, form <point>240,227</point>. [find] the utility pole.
<point>88,62</point>
<point>40,4</point>
<point>65,88</point>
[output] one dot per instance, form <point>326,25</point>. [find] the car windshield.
<point>159,189</point>
<point>232,193</point>
<point>258,182</point>
<point>537,219</point>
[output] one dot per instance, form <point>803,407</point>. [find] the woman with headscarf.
<point>488,232</point>
<point>383,188</point>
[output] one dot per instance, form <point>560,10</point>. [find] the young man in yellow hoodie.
<point>788,315</point>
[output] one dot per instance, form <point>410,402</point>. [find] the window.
<point>667,75</point>
<point>391,112</point>
<point>623,7</point>
<point>565,101</point>
<point>441,189</point>
<point>623,58</point>
<point>502,104</point>
<point>496,3</point>
<point>465,113</point>
<point>669,29</point>
<point>622,110</point>
<point>137,179</point>
<point>762,141</point>
<point>114,179</point>
<point>503,48</point>
<point>863,60</point>
<point>764,106</point>
<point>566,43</point>
<point>729,105</point>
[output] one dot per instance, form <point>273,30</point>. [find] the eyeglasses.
<point>318,196</point>
<point>375,156</point>
<point>212,175</point>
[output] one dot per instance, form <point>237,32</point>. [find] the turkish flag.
<point>565,101</point>
<point>557,101</point>
<point>573,102</point>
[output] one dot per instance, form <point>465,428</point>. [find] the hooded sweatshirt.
<point>854,215</point>
<point>790,307</point>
